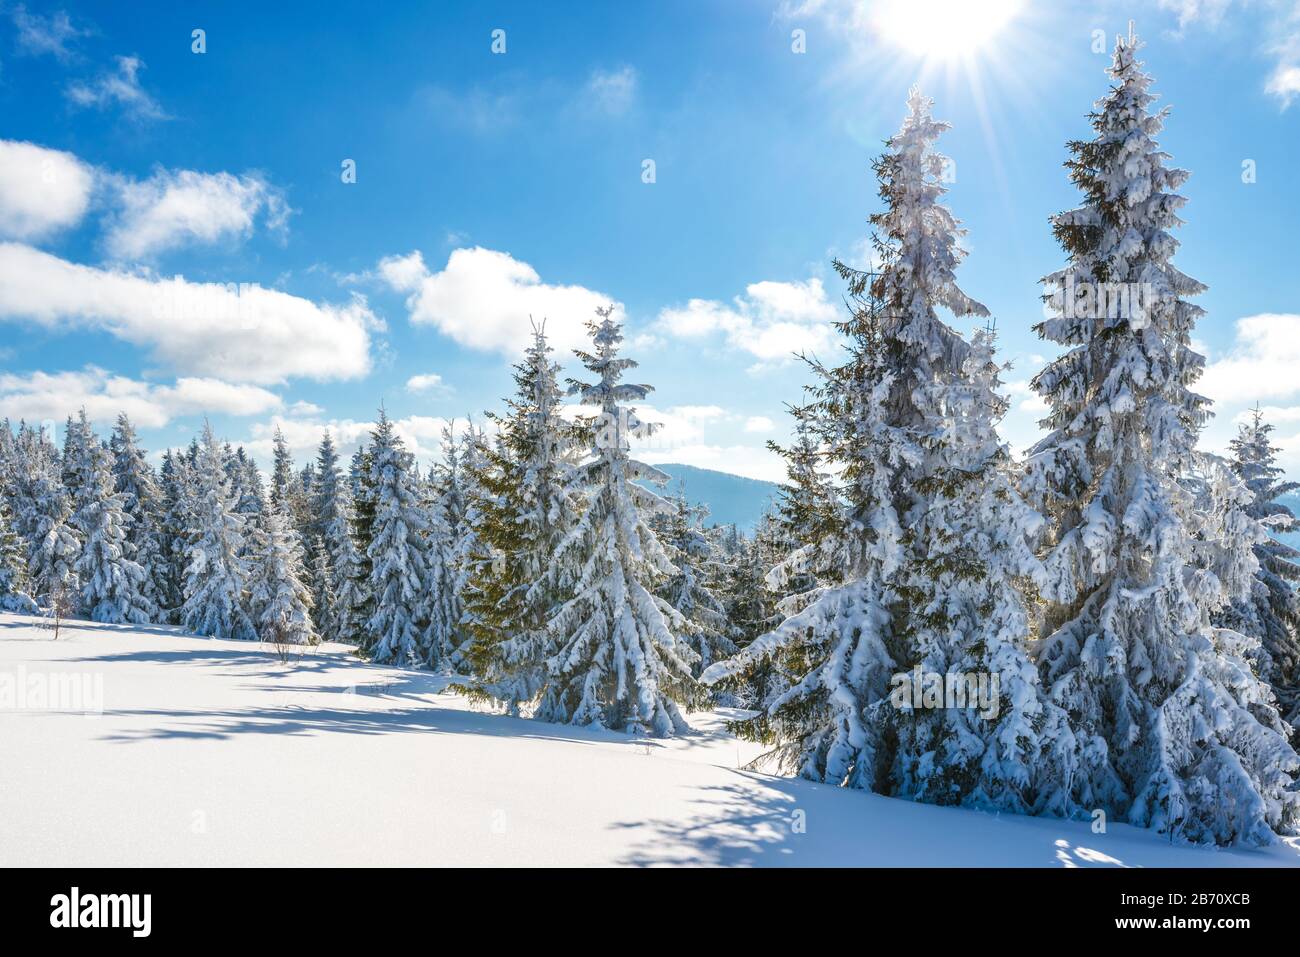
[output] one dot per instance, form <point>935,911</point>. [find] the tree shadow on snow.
<point>764,821</point>
<point>299,721</point>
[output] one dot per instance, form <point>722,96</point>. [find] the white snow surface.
<point>215,753</point>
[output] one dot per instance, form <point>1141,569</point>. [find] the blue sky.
<point>491,185</point>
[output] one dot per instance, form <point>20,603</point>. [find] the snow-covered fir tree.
<point>44,522</point>
<point>618,660</point>
<point>868,420</point>
<point>175,523</point>
<point>113,587</point>
<point>961,612</point>
<point>247,490</point>
<point>444,510</point>
<point>468,550</point>
<point>13,565</point>
<point>278,595</point>
<point>528,504</point>
<point>142,501</point>
<point>698,574</point>
<point>215,590</point>
<point>349,578</point>
<point>833,638</point>
<point>1194,749</point>
<point>398,630</point>
<point>321,585</point>
<point>283,480</point>
<point>357,566</point>
<point>1271,611</point>
<point>751,608</point>
<point>328,530</point>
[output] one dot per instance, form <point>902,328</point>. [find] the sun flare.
<point>942,29</point>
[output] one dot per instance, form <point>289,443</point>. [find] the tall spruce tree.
<point>215,590</point>
<point>45,523</point>
<point>349,579</point>
<point>692,590</point>
<point>445,506</point>
<point>618,660</point>
<point>468,550</point>
<point>528,505</point>
<point>278,595</point>
<point>961,615</point>
<point>751,608</point>
<point>1193,748</point>
<point>398,629</point>
<point>1271,612</point>
<point>13,565</point>
<point>142,500</point>
<point>114,588</point>
<point>869,421</point>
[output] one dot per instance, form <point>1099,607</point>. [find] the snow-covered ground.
<point>214,752</point>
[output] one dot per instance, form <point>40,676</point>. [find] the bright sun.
<point>942,29</point>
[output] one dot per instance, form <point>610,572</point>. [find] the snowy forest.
<point>1127,592</point>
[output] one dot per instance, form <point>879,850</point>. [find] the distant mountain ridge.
<point>740,501</point>
<point>731,499</point>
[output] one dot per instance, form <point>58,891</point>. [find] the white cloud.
<point>1189,11</point>
<point>429,382</point>
<point>51,35</point>
<point>1273,415</point>
<point>1284,83</point>
<point>759,424</point>
<point>121,88</point>
<point>421,434</point>
<point>748,460</point>
<point>487,300</point>
<point>243,334</point>
<point>175,208</point>
<point>612,91</point>
<point>41,190</point>
<point>679,425</point>
<point>1279,23</point>
<point>772,320</point>
<point>1262,363</point>
<point>41,396</point>
<point>685,436</point>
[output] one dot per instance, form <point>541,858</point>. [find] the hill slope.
<point>732,499</point>
<point>211,753</point>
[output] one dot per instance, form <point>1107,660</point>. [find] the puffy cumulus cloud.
<point>772,321</point>
<point>118,88</point>
<point>41,190</point>
<point>41,396</point>
<point>483,299</point>
<point>1261,364</point>
<point>427,382</point>
<point>759,424</point>
<point>183,207</point>
<point>240,333</point>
